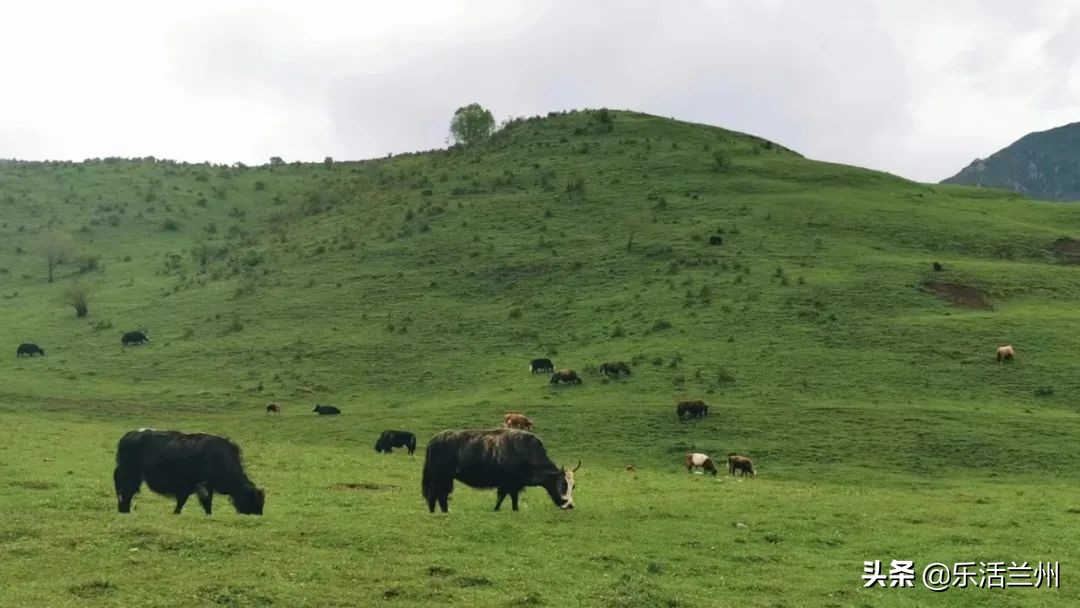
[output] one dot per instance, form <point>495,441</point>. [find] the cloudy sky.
<point>914,87</point>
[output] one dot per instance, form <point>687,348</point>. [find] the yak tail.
<point>425,478</point>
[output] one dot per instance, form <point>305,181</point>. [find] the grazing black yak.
<point>505,459</point>
<point>134,337</point>
<point>614,368</point>
<point>716,239</point>
<point>181,464</point>
<point>273,408</point>
<point>326,410</point>
<point>395,439</point>
<point>27,348</point>
<point>568,376</point>
<point>541,365</point>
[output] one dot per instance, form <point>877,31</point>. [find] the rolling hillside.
<point>412,291</point>
<point>1043,165</point>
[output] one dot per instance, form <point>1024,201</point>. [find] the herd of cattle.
<point>506,459</point>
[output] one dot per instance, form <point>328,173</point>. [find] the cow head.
<point>561,487</point>
<point>249,500</point>
<point>381,444</point>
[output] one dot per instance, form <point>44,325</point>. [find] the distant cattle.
<point>938,267</point>
<point>505,459</point>
<point>273,408</point>
<point>395,439</point>
<point>1005,353</point>
<point>537,366</point>
<point>568,376</point>
<point>134,337</point>
<point>614,369</point>
<point>631,469</point>
<point>181,464</point>
<point>697,459</point>
<point>691,409</point>
<point>326,410</point>
<point>26,348</point>
<point>517,421</point>
<point>716,239</point>
<point>741,464</point>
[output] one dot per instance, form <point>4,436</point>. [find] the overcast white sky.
<point>915,87</point>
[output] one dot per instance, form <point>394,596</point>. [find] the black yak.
<point>134,337</point>
<point>181,464</point>
<point>541,365</point>
<point>568,376</point>
<point>273,408</point>
<point>26,348</point>
<point>395,439</point>
<point>505,459</point>
<point>716,239</point>
<point>614,368</point>
<point>326,410</point>
<point>691,409</point>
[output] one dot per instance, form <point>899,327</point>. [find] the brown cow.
<point>741,464</point>
<point>697,459</point>
<point>273,408</point>
<point>691,409</point>
<point>568,376</point>
<point>1005,353</point>
<point>517,421</point>
<point>614,368</point>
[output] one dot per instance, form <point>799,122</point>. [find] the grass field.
<point>412,291</point>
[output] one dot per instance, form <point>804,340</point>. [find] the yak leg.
<point>206,497</point>
<point>513,499</point>
<point>443,503</point>
<point>127,485</point>
<point>180,500</point>
<point>431,504</point>
<point>499,500</point>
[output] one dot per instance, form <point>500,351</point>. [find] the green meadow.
<point>412,291</point>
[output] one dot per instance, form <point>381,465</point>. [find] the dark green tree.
<point>471,124</point>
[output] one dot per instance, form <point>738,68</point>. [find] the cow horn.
<point>573,470</point>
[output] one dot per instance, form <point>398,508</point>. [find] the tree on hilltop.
<point>471,124</point>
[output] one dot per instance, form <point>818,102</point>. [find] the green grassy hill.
<point>412,291</point>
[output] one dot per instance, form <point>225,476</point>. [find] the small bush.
<point>170,225</point>
<point>660,325</point>
<point>721,161</point>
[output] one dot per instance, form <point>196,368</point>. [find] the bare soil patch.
<point>363,486</point>
<point>964,296</point>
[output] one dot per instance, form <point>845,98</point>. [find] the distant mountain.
<point>1044,164</point>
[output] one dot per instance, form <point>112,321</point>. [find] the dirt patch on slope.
<point>1067,250</point>
<point>964,296</point>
